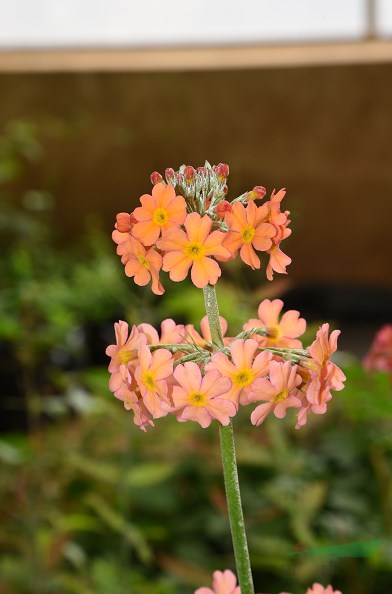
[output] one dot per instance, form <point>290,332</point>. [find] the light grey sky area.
<point>143,23</point>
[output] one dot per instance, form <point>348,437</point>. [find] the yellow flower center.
<point>160,217</point>
<point>194,250</point>
<point>144,262</point>
<point>197,399</point>
<point>126,356</point>
<point>280,397</point>
<point>148,380</point>
<point>243,378</point>
<point>273,333</point>
<point>248,234</point>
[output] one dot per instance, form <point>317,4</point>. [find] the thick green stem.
<point>229,464</point>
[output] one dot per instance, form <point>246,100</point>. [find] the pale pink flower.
<point>152,374</point>
<point>123,352</point>
<point>319,589</point>
<point>130,394</point>
<point>320,375</point>
<point>244,368</point>
<point>280,392</point>
<point>223,582</point>
<point>201,399</point>
<point>282,332</point>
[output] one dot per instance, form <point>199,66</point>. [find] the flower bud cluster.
<point>203,188</point>
<point>180,373</point>
<point>188,224</point>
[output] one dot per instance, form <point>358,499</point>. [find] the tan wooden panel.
<point>186,59</point>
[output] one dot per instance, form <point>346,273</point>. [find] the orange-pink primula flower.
<point>152,374</point>
<point>158,213</point>
<point>281,332</point>
<point>244,368</point>
<point>319,589</point>
<point>223,582</point>
<point>201,340</point>
<point>320,375</point>
<point>280,392</point>
<point>131,396</point>
<point>193,248</point>
<point>171,333</point>
<point>379,357</point>
<point>141,264</point>
<point>248,230</point>
<point>278,260</point>
<point>124,352</point>
<point>199,398</point>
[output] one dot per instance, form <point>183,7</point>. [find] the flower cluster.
<point>181,372</point>
<point>225,582</point>
<point>186,223</point>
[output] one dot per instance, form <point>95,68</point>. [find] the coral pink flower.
<point>248,230</point>
<point>244,369</point>
<point>151,375</point>
<point>379,358</point>
<point>131,396</point>
<point>205,331</point>
<point>201,399</point>
<point>280,391</point>
<point>158,213</point>
<point>123,352</point>
<point>223,582</point>
<point>124,222</point>
<point>278,261</point>
<point>320,375</point>
<point>281,333</point>
<point>193,248</point>
<point>141,264</point>
<point>171,333</point>
<point>319,589</point>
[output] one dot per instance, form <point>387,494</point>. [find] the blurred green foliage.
<point>91,504</point>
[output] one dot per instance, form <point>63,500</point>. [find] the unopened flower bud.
<point>225,189</point>
<point>189,173</point>
<point>222,208</point>
<point>155,178</point>
<point>222,171</point>
<point>202,171</point>
<point>170,176</point>
<point>124,222</point>
<point>257,193</point>
<point>260,191</point>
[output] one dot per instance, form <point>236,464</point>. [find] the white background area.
<point>144,23</point>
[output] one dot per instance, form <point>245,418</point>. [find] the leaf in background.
<point>120,525</point>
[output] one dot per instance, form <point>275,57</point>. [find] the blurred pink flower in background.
<point>223,582</point>
<point>379,357</point>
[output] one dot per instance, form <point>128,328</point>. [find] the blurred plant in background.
<point>83,513</point>
<point>67,493</point>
